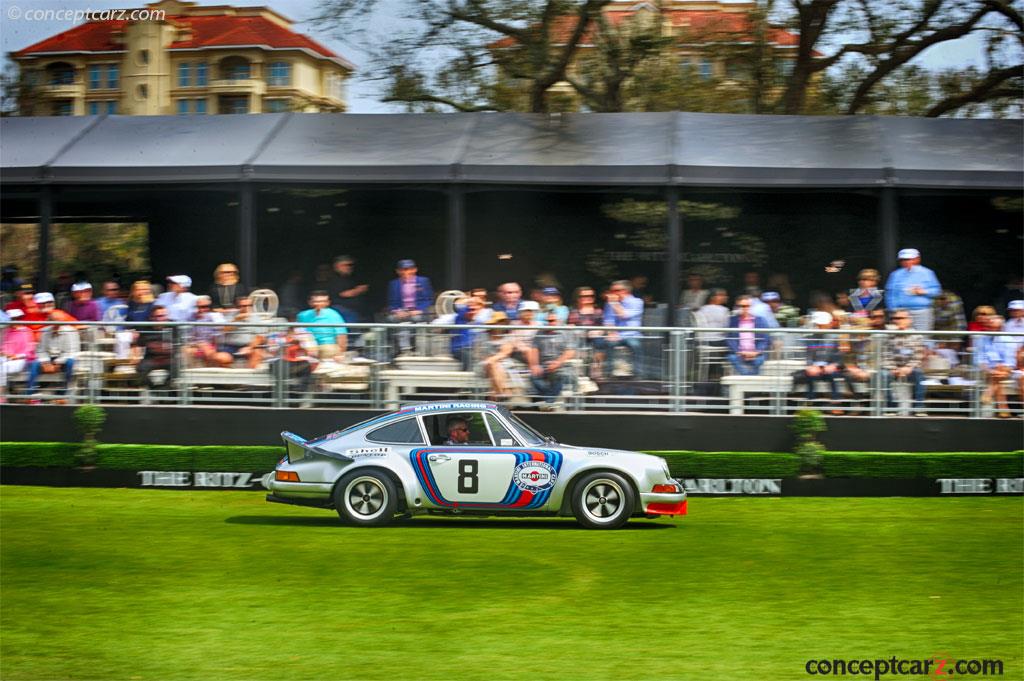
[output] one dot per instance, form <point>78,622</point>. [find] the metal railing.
<point>655,369</point>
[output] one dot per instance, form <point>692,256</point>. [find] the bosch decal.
<point>534,476</point>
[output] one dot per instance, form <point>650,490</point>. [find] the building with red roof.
<point>180,57</point>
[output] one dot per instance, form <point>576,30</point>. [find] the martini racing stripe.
<point>514,496</point>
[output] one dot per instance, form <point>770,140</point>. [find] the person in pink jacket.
<point>17,350</point>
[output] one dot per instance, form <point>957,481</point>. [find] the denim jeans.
<point>36,368</point>
<point>745,367</point>
<point>548,386</point>
<point>916,379</point>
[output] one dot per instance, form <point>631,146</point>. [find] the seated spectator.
<point>497,348</point>
<point>623,310</point>
<point>226,289</point>
<point>551,350</point>
<point>510,295</point>
<point>245,342</point>
<point>140,302</point>
<point>467,309</point>
<point>458,432</point>
<point>81,306</point>
<point>111,298</point>
<point>300,354</point>
<point>694,296</point>
<point>746,348</point>
<point>786,316</point>
<point>823,360</point>
<point>23,299</point>
<point>948,312</point>
<point>484,315</point>
<point>46,310</point>
<point>902,357</point>
<point>843,300</point>
<point>331,341</point>
<point>867,296</point>
<point>178,301</point>
<point>1015,324</point>
<point>586,313</point>
<point>552,302</point>
<point>409,298</point>
<point>979,318</point>
<point>155,347</point>
<point>55,353</point>
<point>17,350</point>
<point>996,358</point>
<point>206,344</point>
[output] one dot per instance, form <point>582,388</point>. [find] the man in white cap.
<point>824,361</point>
<point>912,287</point>
<point>178,300</point>
<point>81,306</point>
<point>1015,310</point>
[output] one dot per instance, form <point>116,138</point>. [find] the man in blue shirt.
<point>912,287</point>
<point>623,310</point>
<point>331,341</point>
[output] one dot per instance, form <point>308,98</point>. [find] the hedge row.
<point>684,464</point>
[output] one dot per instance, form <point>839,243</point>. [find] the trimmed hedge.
<point>683,464</point>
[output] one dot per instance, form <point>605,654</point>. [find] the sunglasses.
<point>461,430</point>
<point>900,318</point>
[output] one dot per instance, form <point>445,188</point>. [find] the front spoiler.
<point>678,508</point>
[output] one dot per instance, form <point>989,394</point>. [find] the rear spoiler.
<point>297,447</point>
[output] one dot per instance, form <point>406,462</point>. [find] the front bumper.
<point>663,504</point>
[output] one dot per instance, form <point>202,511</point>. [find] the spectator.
<point>1015,324</point>
<point>23,299</point>
<point>1013,289</point>
<point>948,312</point>
<point>348,295</point>
<point>46,310</point>
<point>996,357</point>
<point>552,302</point>
<point>979,318</point>
<point>9,279</point>
<point>497,350</point>
<point>81,306</point>
<point>785,315</point>
<point>902,356</point>
<point>747,348</point>
<point>522,339</point>
<point>913,287</point>
<point>226,289</point>
<point>551,350</point>
<point>694,295</point>
<point>867,296</point>
<point>178,301</point>
<point>111,298</point>
<point>623,310</point>
<point>586,313</point>
<point>18,349</point>
<point>155,344</point>
<point>752,284</point>
<point>55,352</point>
<point>467,309</point>
<point>140,302</point>
<point>409,297</point>
<point>290,295</point>
<point>510,295</point>
<point>458,431</point>
<point>298,355</point>
<point>638,285</point>
<point>842,300</point>
<point>714,315</point>
<point>779,281</point>
<point>484,315</point>
<point>206,339</point>
<point>823,361</point>
<point>331,341</point>
<point>246,342</point>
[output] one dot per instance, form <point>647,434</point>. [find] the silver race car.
<point>468,458</point>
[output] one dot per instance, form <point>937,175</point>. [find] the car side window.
<point>437,427</point>
<point>404,432</point>
<point>502,436</point>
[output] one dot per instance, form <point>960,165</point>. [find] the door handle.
<point>439,458</point>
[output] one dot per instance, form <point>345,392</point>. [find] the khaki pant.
<point>328,351</point>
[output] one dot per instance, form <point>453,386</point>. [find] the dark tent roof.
<point>569,149</point>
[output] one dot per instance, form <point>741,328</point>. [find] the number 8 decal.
<point>468,481</point>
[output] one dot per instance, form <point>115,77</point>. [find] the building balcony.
<point>60,90</point>
<point>225,86</point>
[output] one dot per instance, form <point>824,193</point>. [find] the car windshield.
<point>530,435</point>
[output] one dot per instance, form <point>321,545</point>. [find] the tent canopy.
<point>634,149</point>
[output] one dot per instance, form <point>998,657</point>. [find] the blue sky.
<point>363,95</point>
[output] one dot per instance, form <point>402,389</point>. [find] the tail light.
<point>666,489</point>
<point>286,476</point>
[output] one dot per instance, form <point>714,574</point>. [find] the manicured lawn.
<point>134,584</point>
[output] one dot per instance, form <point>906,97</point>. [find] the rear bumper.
<point>666,509</point>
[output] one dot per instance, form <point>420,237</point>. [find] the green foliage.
<point>807,423</point>
<point>89,420</point>
<point>255,459</point>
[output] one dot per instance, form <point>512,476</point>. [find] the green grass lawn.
<point>141,584</point>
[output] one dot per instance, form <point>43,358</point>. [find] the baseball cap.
<point>43,297</point>
<point>15,312</point>
<point>769,296</point>
<point>1015,305</point>
<point>405,264</point>
<point>529,305</point>
<point>821,317</point>
<point>26,288</point>
<point>550,291</point>
<point>343,259</point>
<point>81,286</point>
<point>180,280</point>
<point>908,253</point>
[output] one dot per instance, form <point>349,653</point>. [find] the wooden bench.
<point>402,381</point>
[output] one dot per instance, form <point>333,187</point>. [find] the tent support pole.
<point>456,237</point>
<point>889,227</point>
<point>45,218</point>
<point>247,235</point>
<point>673,259</point>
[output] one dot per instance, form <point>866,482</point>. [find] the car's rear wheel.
<point>366,498</point>
<point>603,501</point>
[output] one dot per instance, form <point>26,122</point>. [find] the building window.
<point>200,106</point>
<point>706,69</point>
<point>142,91</point>
<point>280,73</point>
<point>95,80</point>
<point>113,75</point>
<point>234,68</point>
<point>233,105</point>
<point>276,105</point>
<point>94,108</point>
<point>61,73</point>
<point>63,107</point>
<point>112,107</point>
<point>201,73</point>
<point>142,57</point>
<point>184,74</point>
<point>182,107</point>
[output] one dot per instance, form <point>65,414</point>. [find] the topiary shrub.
<point>89,420</point>
<point>807,423</point>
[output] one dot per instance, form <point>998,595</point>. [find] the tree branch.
<point>985,90</point>
<point>436,99</point>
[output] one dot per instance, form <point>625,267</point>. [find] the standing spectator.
<point>140,302</point>
<point>348,295</point>
<point>9,279</point>
<point>409,298</point>
<point>81,306</point>
<point>638,284</point>
<point>786,316</point>
<point>1015,324</point>
<point>902,356</point>
<point>948,312</point>
<point>331,341</point>
<point>912,287</point>
<point>551,350</point>
<point>18,349</point>
<point>510,295</point>
<point>226,289</point>
<point>624,310</point>
<point>178,301</point>
<point>714,315</point>
<point>23,299</point>
<point>1013,289</point>
<point>996,357</point>
<point>752,284</point>
<point>694,295</point>
<point>867,296</point>
<point>746,348</point>
<point>823,361</point>
<point>111,297</point>
<point>485,313</point>
<point>552,302</point>
<point>156,346</point>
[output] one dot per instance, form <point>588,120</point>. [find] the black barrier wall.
<point>704,432</point>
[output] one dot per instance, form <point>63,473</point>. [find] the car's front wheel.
<point>603,501</point>
<point>367,498</point>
